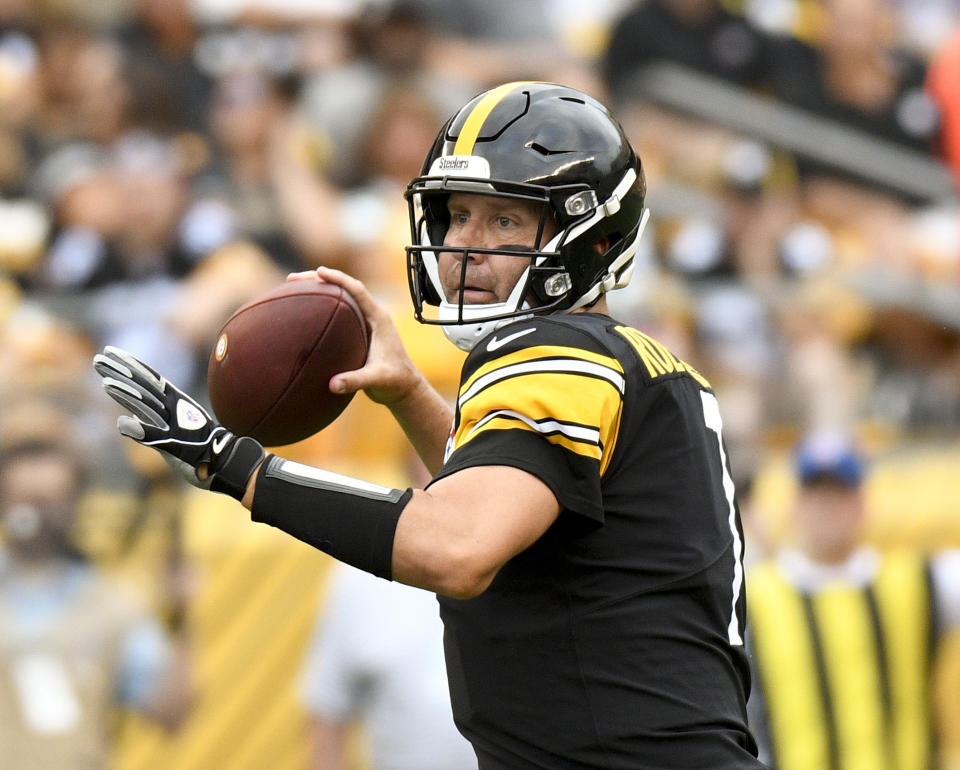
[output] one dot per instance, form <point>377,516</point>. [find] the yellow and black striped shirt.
<point>844,671</point>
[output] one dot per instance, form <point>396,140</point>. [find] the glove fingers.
<point>142,432</point>
<point>134,368</point>
<point>107,365</point>
<point>131,427</point>
<point>121,377</point>
<point>107,368</point>
<point>118,363</point>
<point>150,399</point>
<point>130,397</point>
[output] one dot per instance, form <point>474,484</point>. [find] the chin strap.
<point>465,336</point>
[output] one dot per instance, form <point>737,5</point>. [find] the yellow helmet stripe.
<point>474,122</point>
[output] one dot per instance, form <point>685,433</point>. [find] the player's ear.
<point>602,245</point>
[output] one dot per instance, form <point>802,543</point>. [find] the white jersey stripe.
<point>575,432</point>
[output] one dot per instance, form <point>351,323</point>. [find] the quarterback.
<point>580,529</point>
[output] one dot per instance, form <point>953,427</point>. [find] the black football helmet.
<point>538,142</point>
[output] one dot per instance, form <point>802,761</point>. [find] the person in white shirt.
<point>77,643</point>
<point>376,662</point>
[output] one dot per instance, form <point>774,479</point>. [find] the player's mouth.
<point>476,295</point>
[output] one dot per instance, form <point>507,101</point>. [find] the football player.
<point>580,528</point>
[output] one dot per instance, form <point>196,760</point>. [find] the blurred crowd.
<point>163,161</point>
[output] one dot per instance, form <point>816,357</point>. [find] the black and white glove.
<point>168,420</point>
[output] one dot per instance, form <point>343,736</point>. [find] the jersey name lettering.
<point>656,357</point>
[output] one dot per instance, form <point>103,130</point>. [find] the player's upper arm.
<point>455,537</point>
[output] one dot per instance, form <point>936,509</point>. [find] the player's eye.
<point>504,221</point>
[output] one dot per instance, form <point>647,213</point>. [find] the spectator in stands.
<point>154,197</point>
<point>19,101</point>
<point>699,34</point>
<point>81,198</point>
<point>855,74</point>
<point>125,234</point>
<point>169,91</point>
<point>483,42</point>
<point>842,634</point>
<point>340,101</point>
<point>358,224</point>
<point>86,94</point>
<point>246,108</point>
<point>375,668</point>
<point>76,645</point>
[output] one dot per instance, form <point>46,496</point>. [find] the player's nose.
<point>470,235</point>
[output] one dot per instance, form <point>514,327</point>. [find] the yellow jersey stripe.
<point>584,410</point>
<point>475,120</point>
<point>565,367</point>
<point>541,352</point>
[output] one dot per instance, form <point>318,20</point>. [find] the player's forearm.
<point>425,417</point>
<point>430,551</point>
<point>438,549</point>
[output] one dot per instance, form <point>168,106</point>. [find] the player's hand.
<point>388,376</point>
<point>165,418</point>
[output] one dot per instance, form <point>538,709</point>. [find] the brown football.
<point>270,368</point>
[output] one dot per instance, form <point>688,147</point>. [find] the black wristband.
<point>353,521</point>
<point>233,469</point>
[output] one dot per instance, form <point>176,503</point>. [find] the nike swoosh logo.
<point>220,443</point>
<point>499,343</point>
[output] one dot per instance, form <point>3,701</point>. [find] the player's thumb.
<point>130,427</point>
<point>345,383</point>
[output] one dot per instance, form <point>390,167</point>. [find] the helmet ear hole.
<point>539,291</point>
<point>437,217</point>
<point>423,288</point>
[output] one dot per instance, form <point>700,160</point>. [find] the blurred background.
<point>163,161</point>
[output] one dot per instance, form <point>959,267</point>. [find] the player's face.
<point>487,222</point>
<point>830,517</point>
<point>37,499</point>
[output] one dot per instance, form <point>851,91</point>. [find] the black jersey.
<point>615,640</point>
